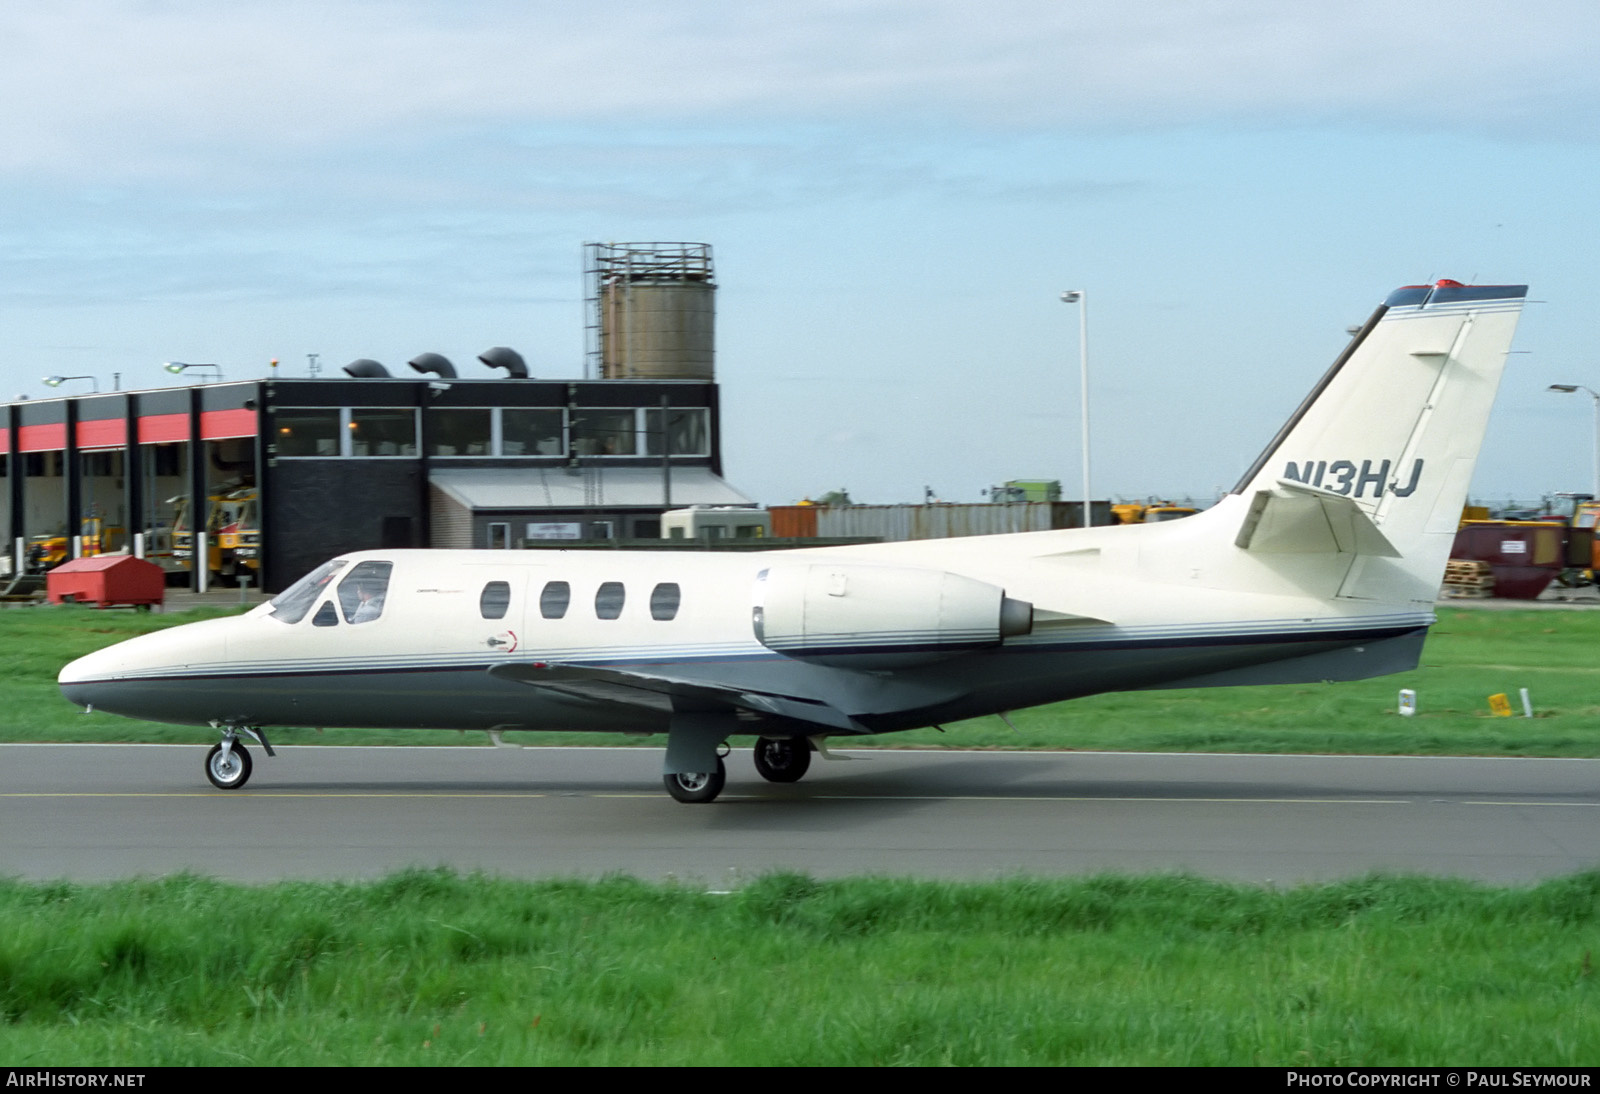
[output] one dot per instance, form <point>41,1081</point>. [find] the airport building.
<point>293,471</point>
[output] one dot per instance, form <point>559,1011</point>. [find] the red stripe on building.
<point>103,433</point>
<point>160,428</point>
<point>215,425</point>
<point>42,438</point>
<point>5,439</point>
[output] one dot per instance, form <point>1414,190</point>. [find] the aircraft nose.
<point>112,678</point>
<point>80,681</point>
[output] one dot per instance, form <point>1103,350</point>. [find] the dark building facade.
<point>294,471</point>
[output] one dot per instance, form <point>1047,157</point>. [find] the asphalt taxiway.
<point>95,812</point>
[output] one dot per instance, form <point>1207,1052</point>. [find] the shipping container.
<point>794,521</point>
<point>905,522</point>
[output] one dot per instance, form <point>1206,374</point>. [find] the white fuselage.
<point>1111,609</point>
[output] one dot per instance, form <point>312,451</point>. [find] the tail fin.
<point>1377,460</point>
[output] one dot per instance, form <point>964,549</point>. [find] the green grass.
<point>1470,654</point>
<point>429,968</point>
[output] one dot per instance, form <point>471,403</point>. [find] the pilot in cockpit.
<point>370,604</point>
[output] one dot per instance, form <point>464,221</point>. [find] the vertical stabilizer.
<point>1393,430</point>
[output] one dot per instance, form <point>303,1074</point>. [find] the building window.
<point>532,433</point>
<point>307,432</point>
<point>597,432</point>
<point>608,600</point>
<point>101,463</point>
<point>554,599</point>
<point>664,599</point>
<point>459,432</point>
<point>383,432</point>
<point>495,600</point>
<point>687,432</point>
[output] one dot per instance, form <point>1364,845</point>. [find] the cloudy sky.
<point>896,191</point>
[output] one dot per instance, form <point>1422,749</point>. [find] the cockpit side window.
<point>291,605</point>
<point>362,592</point>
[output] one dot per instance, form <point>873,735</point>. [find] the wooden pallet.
<point>1464,574</point>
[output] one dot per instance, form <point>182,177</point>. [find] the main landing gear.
<point>228,764</point>
<point>696,787</point>
<point>782,759</point>
<point>777,759</point>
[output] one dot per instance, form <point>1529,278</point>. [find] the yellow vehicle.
<point>1585,524</point>
<point>233,534</point>
<point>1154,512</point>
<point>95,538</point>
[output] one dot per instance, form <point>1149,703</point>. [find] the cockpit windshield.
<point>291,605</point>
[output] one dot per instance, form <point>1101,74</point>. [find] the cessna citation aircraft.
<point>1322,564</point>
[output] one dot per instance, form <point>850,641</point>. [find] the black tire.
<point>695,788</point>
<point>782,759</point>
<point>232,774</point>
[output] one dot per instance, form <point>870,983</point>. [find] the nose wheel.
<point>228,765</point>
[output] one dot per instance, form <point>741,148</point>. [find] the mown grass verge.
<point>1470,654</point>
<point>431,968</point>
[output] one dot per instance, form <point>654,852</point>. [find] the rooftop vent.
<point>365,368</point>
<point>436,363</point>
<point>507,358</point>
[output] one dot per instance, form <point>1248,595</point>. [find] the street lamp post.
<point>177,368</point>
<point>57,381</point>
<point>1080,297</point>
<point>1569,389</point>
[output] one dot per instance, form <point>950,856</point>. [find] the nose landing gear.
<point>228,764</point>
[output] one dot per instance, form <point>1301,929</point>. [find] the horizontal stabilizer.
<point>1294,518</point>
<point>654,691</point>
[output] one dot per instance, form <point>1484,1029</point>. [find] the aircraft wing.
<point>656,691</point>
<point>1293,518</point>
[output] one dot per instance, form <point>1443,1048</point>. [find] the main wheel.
<point>695,787</point>
<point>782,759</point>
<point>228,772</point>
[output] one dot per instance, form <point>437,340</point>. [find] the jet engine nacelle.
<point>898,615</point>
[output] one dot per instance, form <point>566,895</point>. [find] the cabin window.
<point>608,600</point>
<point>291,605</point>
<point>664,599</point>
<point>554,599</point>
<point>362,592</point>
<point>326,616</point>
<point>495,599</point>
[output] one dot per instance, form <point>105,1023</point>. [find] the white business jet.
<point>1323,564</point>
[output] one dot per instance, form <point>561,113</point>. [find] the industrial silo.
<point>652,310</point>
